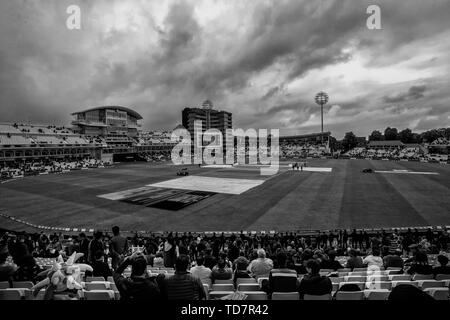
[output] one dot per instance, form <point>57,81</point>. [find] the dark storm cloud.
<point>414,93</point>
<point>176,57</point>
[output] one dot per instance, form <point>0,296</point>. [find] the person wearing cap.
<point>139,286</point>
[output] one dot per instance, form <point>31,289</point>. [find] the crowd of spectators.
<point>20,169</point>
<point>277,258</point>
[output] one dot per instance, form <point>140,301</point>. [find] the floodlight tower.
<point>321,99</point>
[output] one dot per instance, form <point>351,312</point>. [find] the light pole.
<point>321,98</point>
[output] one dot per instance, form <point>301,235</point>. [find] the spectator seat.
<point>422,277</point>
<point>377,294</point>
<point>285,296</point>
<point>438,293</point>
<point>400,277</point>
<point>10,294</point>
<point>222,287</point>
<point>317,297</point>
<point>249,287</point>
<point>245,280</point>
<point>99,295</point>
<point>23,284</point>
<point>425,284</point>
<point>443,277</point>
<point>350,295</point>
<point>412,283</point>
<point>255,295</point>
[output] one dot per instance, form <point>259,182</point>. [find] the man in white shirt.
<point>202,272</point>
<point>261,266</point>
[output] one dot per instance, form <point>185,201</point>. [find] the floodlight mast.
<point>321,99</point>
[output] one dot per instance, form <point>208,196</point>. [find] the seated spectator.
<point>241,271</point>
<point>28,269</point>
<point>210,260</point>
<point>443,268</point>
<point>201,272</point>
<point>7,270</point>
<point>406,292</point>
<point>331,262</point>
<point>282,279</point>
<point>313,283</point>
<point>393,260</point>
<point>221,271</point>
<point>420,264</point>
<point>101,268</point>
<point>182,285</point>
<point>374,261</point>
<point>139,286</point>
<point>158,261</point>
<point>261,266</point>
<point>354,261</point>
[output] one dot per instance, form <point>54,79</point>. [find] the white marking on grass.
<point>210,184</point>
<point>408,172</point>
<point>314,169</point>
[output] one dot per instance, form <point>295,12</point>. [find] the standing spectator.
<point>7,270</point>
<point>182,285</point>
<point>221,271</point>
<point>261,266</point>
<point>95,245</point>
<point>202,272</point>
<point>139,286</point>
<point>118,246</point>
<point>313,283</point>
<point>169,252</point>
<point>84,247</point>
<point>101,268</point>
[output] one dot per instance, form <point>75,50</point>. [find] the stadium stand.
<point>29,259</point>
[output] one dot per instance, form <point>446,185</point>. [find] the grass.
<point>344,198</point>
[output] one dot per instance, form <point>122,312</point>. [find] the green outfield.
<point>289,200</point>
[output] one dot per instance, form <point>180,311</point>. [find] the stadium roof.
<point>128,110</point>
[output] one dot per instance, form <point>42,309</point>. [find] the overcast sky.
<point>262,60</point>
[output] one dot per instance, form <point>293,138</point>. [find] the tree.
<point>376,136</point>
<point>391,133</point>
<point>431,135</point>
<point>349,141</point>
<point>406,136</point>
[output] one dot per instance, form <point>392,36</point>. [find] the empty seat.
<point>357,273</point>
<point>361,285</point>
<point>4,285</point>
<point>245,280</point>
<point>412,283</point>
<point>443,277</point>
<point>99,295</point>
<point>438,293</point>
<point>218,294</point>
<point>90,279</point>
<point>350,295</point>
<point>255,295</point>
<point>229,281</point>
<point>222,287</point>
<point>249,287</point>
<point>344,270</point>
<point>425,284</point>
<point>423,277</point>
<point>336,279</point>
<point>359,269</point>
<point>377,294</point>
<point>316,297</point>
<point>398,277</point>
<point>285,296</point>
<point>23,284</point>
<point>355,278</point>
<point>97,285</point>
<point>10,294</point>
